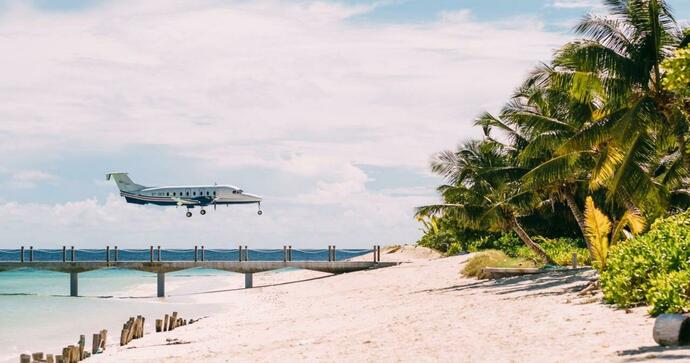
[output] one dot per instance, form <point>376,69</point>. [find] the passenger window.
<point>174,194</point>
<point>214,192</point>
<point>167,194</point>
<point>187,193</point>
<point>193,193</point>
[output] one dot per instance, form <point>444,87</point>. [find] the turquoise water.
<point>39,316</point>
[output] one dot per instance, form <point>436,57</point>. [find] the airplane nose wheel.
<point>202,212</point>
<point>189,214</point>
<point>259,212</point>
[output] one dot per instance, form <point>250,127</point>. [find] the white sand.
<point>416,312</point>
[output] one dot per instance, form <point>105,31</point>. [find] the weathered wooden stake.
<point>159,325</point>
<point>574,260</point>
<point>165,323</point>
<point>173,319</point>
<point>24,358</point>
<point>95,343</point>
<point>50,358</point>
<point>82,344</point>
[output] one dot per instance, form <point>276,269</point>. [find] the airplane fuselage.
<point>202,196</point>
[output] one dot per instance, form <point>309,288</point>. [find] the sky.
<point>330,110</point>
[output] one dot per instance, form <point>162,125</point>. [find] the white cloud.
<point>576,4</point>
<point>294,87</point>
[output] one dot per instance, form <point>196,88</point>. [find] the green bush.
<point>492,258</point>
<point>651,268</point>
<point>440,241</point>
<point>454,249</point>
<point>559,249</point>
<point>668,293</point>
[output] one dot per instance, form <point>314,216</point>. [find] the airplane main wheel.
<point>202,212</point>
<point>259,212</point>
<point>189,214</point>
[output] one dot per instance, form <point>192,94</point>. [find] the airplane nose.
<point>251,197</point>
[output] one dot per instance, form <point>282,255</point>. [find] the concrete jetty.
<point>162,267</point>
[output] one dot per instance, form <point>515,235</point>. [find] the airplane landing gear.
<point>202,212</point>
<point>259,212</point>
<point>189,214</point>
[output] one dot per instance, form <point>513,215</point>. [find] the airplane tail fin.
<point>124,183</point>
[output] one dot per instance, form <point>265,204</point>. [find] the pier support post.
<point>248,280</point>
<point>161,284</point>
<point>73,284</point>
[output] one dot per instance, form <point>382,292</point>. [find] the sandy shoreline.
<point>418,311</point>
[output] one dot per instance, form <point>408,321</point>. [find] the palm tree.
<point>484,190</point>
<point>617,65</point>
<point>546,118</point>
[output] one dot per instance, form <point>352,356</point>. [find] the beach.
<point>419,311</point>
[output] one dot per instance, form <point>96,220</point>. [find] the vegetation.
<point>652,269</point>
<point>592,145</point>
<point>492,258</point>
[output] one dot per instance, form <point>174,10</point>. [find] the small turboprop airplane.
<point>182,196</point>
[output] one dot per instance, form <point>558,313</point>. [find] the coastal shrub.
<point>492,258</point>
<point>648,268</point>
<point>439,241</point>
<point>559,249</point>
<point>668,293</point>
<point>454,249</point>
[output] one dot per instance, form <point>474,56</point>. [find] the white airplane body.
<point>188,196</point>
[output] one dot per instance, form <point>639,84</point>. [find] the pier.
<point>155,265</point>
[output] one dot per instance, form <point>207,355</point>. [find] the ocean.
<point>38,314</point>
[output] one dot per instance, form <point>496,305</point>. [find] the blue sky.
<point>330,110</point>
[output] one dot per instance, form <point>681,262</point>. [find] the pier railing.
<point>161,261</point>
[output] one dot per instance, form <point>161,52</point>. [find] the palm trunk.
<point>580,218</point>
<point>515,225</point>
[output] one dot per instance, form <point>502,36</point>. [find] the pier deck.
<point>163,267</point>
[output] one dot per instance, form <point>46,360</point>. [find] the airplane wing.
<point>182,202</point>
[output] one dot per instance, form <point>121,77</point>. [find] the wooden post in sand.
<point>37,356</point>
<point>574,260</point>
<point>50,358</point>
<point>672,329</point>
<point>95,343</point>
<point>159,325</point>
<point>24,358</point>
<point>165,323</point>
<point>82,344</point>
<point>173,319</point>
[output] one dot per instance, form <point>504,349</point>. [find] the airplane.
<point>182,196</point>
